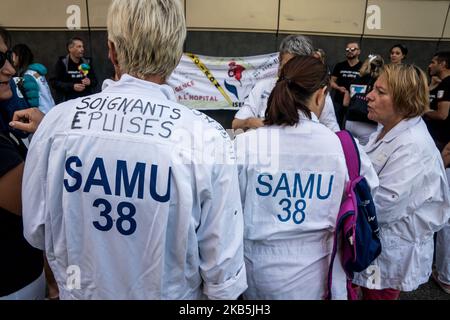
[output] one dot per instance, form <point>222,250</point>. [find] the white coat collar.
<point>303,117</point>
<point>302,120</point>
<point>393,133</point>
<point>132,85</point>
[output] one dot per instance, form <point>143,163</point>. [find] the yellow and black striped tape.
<point>209,75</point>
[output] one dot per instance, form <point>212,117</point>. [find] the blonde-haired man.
<point>132,195</point>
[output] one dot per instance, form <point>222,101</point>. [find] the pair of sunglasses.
<point>8,55</point>
<point>351,49</point>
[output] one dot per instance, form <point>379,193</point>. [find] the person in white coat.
<point>132,195</point>
<point>442,272</point>
<point>413,199</point>
<point>292,174</point>
<point>251,114</point>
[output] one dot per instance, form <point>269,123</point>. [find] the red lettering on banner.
<point>184,86</point>
<point>192,97</point>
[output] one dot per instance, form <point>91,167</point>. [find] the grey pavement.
<point>427,291</point>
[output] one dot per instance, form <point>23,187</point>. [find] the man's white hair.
<point>148,35</point>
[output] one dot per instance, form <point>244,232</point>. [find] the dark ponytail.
<point>299,79</point>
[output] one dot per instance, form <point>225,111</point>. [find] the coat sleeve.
<point>240,150</point>
<point>413,186</point>
<point>220,235</point>
<point>368,171</point>
<point>328,116</point>
<point>250,108</point>
<point>34,189</point>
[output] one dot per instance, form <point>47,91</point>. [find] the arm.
<point>11,172</point>
<point>334,85</point>
<point>11,189</point>
<point>220,236</point>
<point>34,188</point>
<point>441,113</point>
<point>247,116</point>
<point>367,170</point>
<point>396,182</point>
<point>412,201</point>
<point>249,123</point>
<point>446,155</point>
<point>346,100</point>
<point>58,82</point>
<point>241,144</point>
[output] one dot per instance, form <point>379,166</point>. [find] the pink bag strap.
<point>351,153</point>
<point>353,166</point>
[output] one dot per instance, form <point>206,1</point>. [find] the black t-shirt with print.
<point>357,108</point>
<point>440,129</point>
<point>345,75</point>
<point>20,264</point>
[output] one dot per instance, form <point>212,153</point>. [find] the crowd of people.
<point>127,194</point>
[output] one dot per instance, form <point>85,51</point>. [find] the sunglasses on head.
<point>351,49</point>
<point>5,56</point>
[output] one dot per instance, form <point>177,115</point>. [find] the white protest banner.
<point>203,82</point>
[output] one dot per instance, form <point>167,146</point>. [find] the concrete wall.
<point>242,28</point>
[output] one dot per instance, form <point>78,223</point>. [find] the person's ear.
<point>321,95</point>
<point>318,101</point>
<point>112,53</point>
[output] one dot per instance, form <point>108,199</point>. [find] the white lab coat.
<point>443,248</point>
<point>135,198</point>
<point>289,258</point>
<point>256,103</point>
<point>412,203</point>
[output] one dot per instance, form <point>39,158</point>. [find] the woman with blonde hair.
<point>413,199</point>
<point>173,228</point>
<point>356,120</point>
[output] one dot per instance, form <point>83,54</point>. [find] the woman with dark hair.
<point>22,266</point>
<point>292,175</point>
<point>398,53</point>
<point>22,58</point>
<point>35,73</point>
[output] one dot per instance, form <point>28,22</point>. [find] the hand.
<point>79,87</point>
<point>86,81</point>
<point>253,123</point>
<point>342,89</point>
<point>27,119</point>
<point>346,100</point>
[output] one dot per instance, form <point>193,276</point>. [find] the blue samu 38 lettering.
<point>99,177</point>
<point>297,187</point>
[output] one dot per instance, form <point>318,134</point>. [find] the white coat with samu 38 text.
<point>127,185</point>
